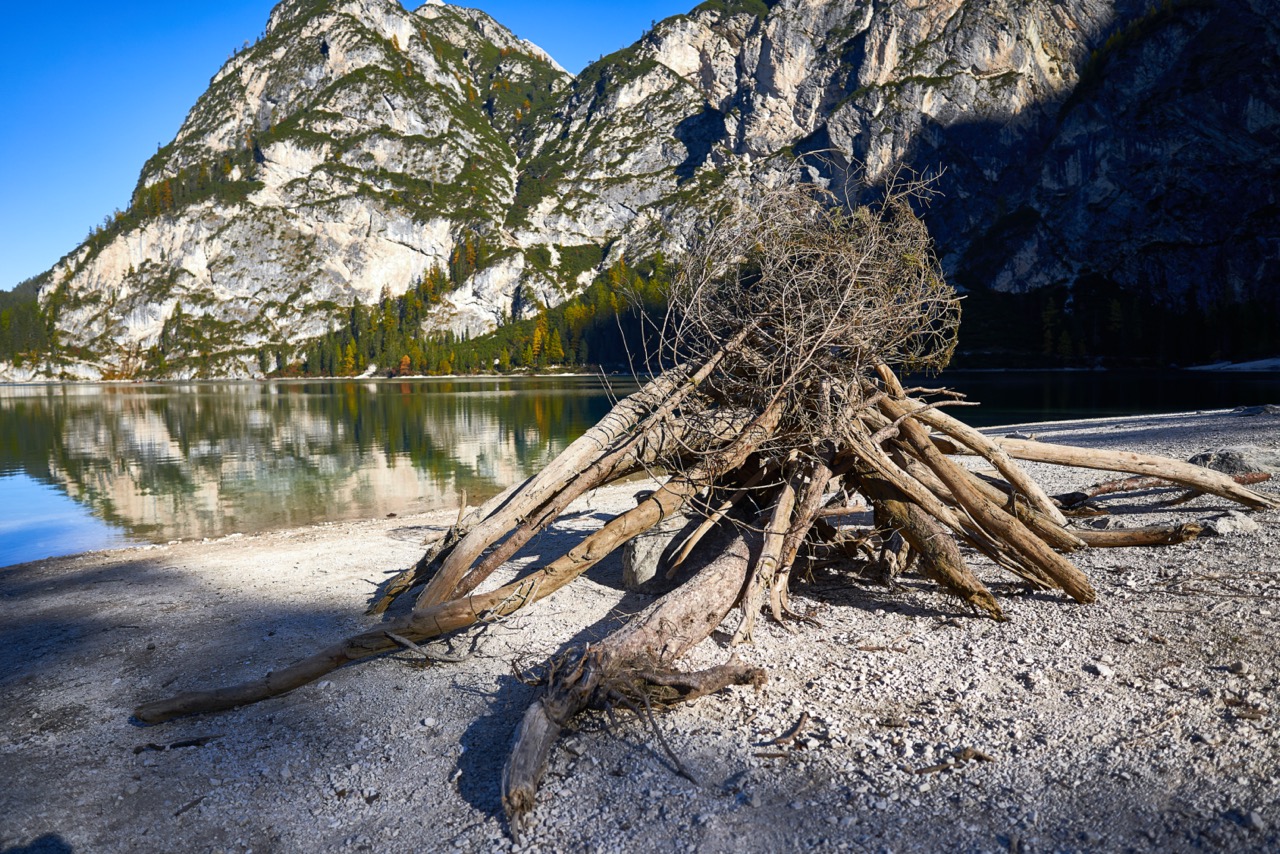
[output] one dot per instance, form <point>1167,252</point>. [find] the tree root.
<point>649,643</point>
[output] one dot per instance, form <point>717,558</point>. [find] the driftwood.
<point>1137,483</point>
<point>780,404</point>
<point>618,670</point>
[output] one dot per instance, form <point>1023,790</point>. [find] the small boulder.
<point>1242,459</point>
<point>1264,409</point>
<point>642,556</point>
<point>1231,522</point>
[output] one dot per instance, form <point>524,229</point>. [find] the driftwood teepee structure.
<point>782,408</point>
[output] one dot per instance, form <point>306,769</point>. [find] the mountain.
<point>1110,166</point>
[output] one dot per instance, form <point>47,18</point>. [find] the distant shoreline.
<point>1256,366</point>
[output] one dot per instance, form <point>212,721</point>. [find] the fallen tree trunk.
<point>1175,471</point>
<point>437,620</point>
<point>1151,535</point>
<point>617,670</point>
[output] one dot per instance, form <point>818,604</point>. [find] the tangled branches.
<point>821,295</point>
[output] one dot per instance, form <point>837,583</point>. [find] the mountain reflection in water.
<point>182,461</point>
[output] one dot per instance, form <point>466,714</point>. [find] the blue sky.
<point>88,91</point>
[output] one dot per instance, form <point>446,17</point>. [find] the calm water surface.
<point>95,466</point>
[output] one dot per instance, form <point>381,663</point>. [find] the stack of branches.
<point>788,323</point>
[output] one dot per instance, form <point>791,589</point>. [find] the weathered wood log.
<point>1138,483</point>
<point>436,620</point>
<point>652,640</point>
<point>437,550</point>
<point>927,496</point>
<point>764,570</point>
<point>939,556</point>
<point>809,501</point>
<point>1152,535</point>
<point>655,443</point>
<point>1185,474</point>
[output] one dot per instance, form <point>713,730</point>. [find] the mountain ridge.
<point>358,147</point>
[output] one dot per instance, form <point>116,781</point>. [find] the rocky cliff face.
<point>358,144</point>
<point>353,148</point>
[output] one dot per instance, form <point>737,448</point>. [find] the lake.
<point>89,466</point>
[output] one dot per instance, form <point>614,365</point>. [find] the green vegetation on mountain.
<point>26,329</point>
<point>758,8</point>
<point>609,323</point>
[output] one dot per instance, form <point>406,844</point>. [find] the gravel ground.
<point>1144,722</point>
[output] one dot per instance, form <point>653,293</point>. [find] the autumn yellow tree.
<point>555,348</point>
<point>539,342</point>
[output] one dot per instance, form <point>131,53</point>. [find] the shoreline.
<point>1269,365</point>
<point>1145,721</point>
<point>994,429</point>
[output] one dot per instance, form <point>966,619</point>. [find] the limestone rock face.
<point>1114,142</point>
<point>349,151</point>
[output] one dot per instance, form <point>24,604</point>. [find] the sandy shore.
<point>1144,722</point>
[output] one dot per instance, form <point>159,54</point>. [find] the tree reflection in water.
<point>179,461</point>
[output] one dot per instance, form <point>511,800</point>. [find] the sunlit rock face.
<point>358,144</point>
<point>344,155</point>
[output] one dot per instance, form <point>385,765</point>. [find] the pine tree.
<point>539,336</point>
<point>555,348</point>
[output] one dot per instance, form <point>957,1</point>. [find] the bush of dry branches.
<point>819,296</point>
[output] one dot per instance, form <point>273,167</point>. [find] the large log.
<point>652,640</point>
<point>436,620</point>
<point>1185,474</point>
<point>654,445</point>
